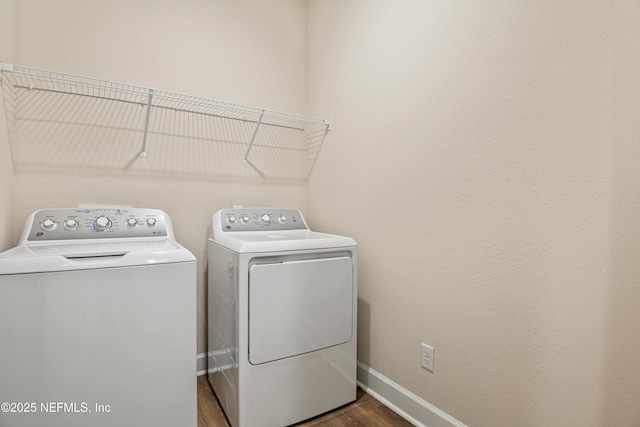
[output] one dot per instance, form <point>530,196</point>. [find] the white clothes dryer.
<point>98,322</point>
<point>281,317</point>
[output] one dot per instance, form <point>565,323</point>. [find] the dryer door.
<point>296,307</point>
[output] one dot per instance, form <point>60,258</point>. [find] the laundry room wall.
<point>249,52</point>
<point>8,21</point>
<point>485,156</point>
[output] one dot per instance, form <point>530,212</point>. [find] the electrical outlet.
<point>426,357</point>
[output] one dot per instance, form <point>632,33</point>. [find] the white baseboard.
<point>412,408</point>
<point>201,364</point>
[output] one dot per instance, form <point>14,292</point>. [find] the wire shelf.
<point>68,116</point>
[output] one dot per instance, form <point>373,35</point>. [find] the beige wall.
<point>8,20</point>
<point>6,187</point>
<point>485,157</point>
<point>249,52</point>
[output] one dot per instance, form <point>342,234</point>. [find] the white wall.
<point>8,20</point>
<point>485,157</point>
<point>249,52</point>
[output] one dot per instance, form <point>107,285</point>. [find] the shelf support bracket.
<point>143,150</point>
<point>5,67</point>
<point>253,138</point>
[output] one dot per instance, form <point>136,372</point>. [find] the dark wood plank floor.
<point>365,411</point>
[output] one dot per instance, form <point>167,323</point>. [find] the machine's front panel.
<point>296,307</point>
<point>100,348</point>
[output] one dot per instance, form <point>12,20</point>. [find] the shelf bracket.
<point>143,150</point>
<point>5,67</point>
<point>253,138</point>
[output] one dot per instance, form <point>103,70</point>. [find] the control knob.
<point>132,222</point>
<point>245,219</point>
<point>282,219</point>
<point>265,218</point>
<point>48,224</point>
<point>231,220</point>
<point>102,223</point>
<point>151,222</point>
<point>71,224</point>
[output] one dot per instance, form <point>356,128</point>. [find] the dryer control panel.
<point>96,223</point>
<point>261,219</point>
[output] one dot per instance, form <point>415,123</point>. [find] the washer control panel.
<point>261,219</point>
<point>96,223</point>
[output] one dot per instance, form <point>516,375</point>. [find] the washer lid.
<point>82,255</point>
<point>265,241</point>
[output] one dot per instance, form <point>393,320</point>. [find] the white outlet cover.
<point>426,357</point>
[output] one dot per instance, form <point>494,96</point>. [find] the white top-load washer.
<point>281,317</point>
<point>98,322</point>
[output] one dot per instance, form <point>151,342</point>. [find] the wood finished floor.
<point>365,412</point>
